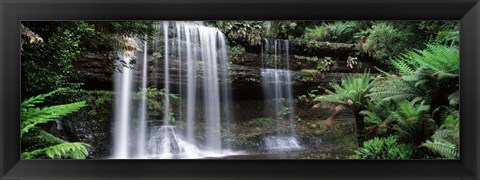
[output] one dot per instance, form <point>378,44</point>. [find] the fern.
<point>442,60</point>
<point>350,94</point>
<point>74,150</point>
<point>351,89</point>
<point>445,140</point>
<point>393,88</point>
<point>413,123</point>
<point>443,148</point>
<point>378,118</point>
<point>30,102</point>
<point>33,116</point>
<point>384,148</point>
<point>53,147</point>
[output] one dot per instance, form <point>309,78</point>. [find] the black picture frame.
<point>14,11</point>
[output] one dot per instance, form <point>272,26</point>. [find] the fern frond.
<point>390,88</point>
<point>443,148</point>
<point>352,88</point>
<point>30,102</point>
<point>33,116</point>
<point>74,150</point>
<point>443,60</point>
<point>402,67</point>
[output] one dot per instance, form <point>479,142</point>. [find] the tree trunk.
<point>360,127</point>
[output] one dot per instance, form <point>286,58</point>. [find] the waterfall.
<point>166,79</point>
<point>123,89</point>
<point>143,106</point>
<point>276,79</point>
<point>192,53</point>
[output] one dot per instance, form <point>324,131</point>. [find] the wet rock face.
<point>91,125</point>
<point>313,63</point>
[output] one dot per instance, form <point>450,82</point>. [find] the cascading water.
<point>123,90</point>
<point>143,106</point>
<point>277,86</point>
<point>197,52</point>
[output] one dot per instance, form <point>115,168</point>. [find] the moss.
<point>309,75</point>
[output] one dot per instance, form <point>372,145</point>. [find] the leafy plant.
<point>280,29</point>
<point>32,116</point>
<point>350,94</point>
<point>442,60</point>
<point>155,101</point>
<point>53,64</point>
<point>445,140</point>
<point>378,118</point>
<point>245,33</point>
<point>308,98</point>
<point>337,31</point>
<point>413,124</point>
<point>285,111</point>
<point>394,88</point>
<point>171,118</point>
<point>260,121</point>
<point>384,148</point>
<point>385,40</point>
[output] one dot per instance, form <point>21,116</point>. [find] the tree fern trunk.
<point>360,127</point>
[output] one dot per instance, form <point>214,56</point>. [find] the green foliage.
<point>449,37</point>
<point>378,118</point>
<point>52,64</point>
<point>75,150</point>
<point>260,121</point>
<point>321,64</point>
<point>384,148</point>
<point>423,73</point>
<point>338,31</point>
<point>393,88</point>
<point>350,93</point>
<point>48,65</point>
<point>100,98</point>
<point>242,32</point>
<point>442,60</point>
<point>308,98</point>
<point>384,40</point>
<point>280,29</point>
<point>155,102</point>
<point>285,111</point>
<point>443,32</point>
<point>408,121</point>
<point>445,140</point>
<point>413,124</point>
<point>444,148</point>
<point>171,118</point>
<point>237,48</point>
<point>247,136</point>
<point>32,116</point>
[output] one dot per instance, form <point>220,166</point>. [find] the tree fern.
<point>378,119</point>
<point>351,88</point>
<point>350,94</point>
